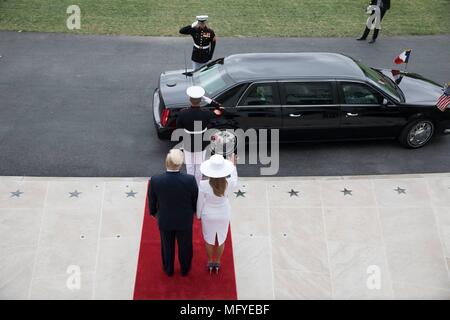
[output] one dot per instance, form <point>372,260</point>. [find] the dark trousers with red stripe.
<point>185,250</point>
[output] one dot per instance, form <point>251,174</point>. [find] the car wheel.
<point>417,134</point>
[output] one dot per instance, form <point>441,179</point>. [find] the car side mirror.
<point>385,102</point>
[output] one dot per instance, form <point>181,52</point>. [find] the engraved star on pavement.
<point>16,194</point>
<point>347,192</point>
<point>293,193</point>
<point>131,194</point>
<point>400,190</point>
<point>75,194</point>
<point>240,193</point>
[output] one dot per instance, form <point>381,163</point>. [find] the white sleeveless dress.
<point>214,211</point>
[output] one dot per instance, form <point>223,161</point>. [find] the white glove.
<point>207,100</point>
<point>370,10</point>
<point>195,24</point>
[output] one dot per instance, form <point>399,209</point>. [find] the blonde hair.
<point>219,185</point>
<point>174,159</point>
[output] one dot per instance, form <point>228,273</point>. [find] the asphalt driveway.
<point>81,105</point>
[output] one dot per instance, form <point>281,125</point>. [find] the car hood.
<point>173,85</point>
<point>417,89</point>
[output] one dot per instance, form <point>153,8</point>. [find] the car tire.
<point>417,134</point>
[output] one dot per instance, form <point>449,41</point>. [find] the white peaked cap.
<point>195,92</point>
<point>202,18</point>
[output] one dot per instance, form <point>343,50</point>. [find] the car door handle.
<point>293,115</point>
<point>349,114</point>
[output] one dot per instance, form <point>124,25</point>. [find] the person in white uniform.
<point>213,207</point>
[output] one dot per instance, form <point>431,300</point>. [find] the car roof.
<point>279,66</point>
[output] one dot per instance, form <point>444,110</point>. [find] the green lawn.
<point>278,18</point>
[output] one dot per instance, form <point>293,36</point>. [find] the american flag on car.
<point>444,100</point>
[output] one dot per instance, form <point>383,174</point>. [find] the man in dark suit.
<point>384,6</point>
<point>173,200</point>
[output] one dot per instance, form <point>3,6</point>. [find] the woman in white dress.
<point>213,207</point>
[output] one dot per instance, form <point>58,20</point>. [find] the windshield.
<point>382,82</point>
<point>211,79</point>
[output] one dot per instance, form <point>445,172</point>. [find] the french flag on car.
<point>403,57</point>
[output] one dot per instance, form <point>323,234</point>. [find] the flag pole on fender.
<point>403,58</point>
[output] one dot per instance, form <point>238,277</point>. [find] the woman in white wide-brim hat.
<point>213,207</point>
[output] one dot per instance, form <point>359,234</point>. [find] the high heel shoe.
<point>217,267</point>
<point>210,267</point>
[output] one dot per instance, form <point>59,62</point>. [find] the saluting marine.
<point>195,121</point>
<point>204,41</point>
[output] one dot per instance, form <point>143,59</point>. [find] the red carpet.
<point>153,284</point>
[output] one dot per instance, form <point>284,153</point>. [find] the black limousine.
<point>308,96</point>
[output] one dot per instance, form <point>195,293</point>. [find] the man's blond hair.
<point>174,159</point>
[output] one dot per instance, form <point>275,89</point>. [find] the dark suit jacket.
<point>186,119</point>
<point>173,200</point>
<point>386,4</point>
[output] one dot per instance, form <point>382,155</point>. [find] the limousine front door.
<point>364,114</point>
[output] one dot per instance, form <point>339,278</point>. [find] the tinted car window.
<point>211,79</point>
<point>231,97</point>
<point>259,95</point>
<point>308,93</point>
<point>381,81</point>
<point>358,93</point>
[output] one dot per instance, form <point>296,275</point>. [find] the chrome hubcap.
<point>420,134</point>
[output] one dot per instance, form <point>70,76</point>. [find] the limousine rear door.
<point>310,110</point>
<point>259,107</point>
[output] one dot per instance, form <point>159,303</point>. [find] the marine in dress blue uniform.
<point>195,121</point>
<point>204,41</point>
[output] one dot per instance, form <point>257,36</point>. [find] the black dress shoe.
<point>169,273</point>
<point>185,273</point>
<point>372,41</point>
<point>361,39</point>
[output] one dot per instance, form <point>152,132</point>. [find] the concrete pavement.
<point>385,237</point>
